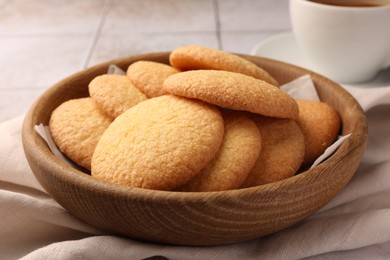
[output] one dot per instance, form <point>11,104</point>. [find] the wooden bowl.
<point>204,218</point>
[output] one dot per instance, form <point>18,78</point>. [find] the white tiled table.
<point>43,41</point>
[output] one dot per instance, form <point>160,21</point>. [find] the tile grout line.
<point>17,88</point>
<point>106,8</point>
<point>217,24</point>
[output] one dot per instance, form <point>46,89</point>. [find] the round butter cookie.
<point>159,144</point>
<point>233,91</point>
<point>114,94</point>
<point>282,151</point>
<point>76,126</point>
<point>239,151</point>
<point>320,125</point>
<point>148,76</point>
<point>193,57</point>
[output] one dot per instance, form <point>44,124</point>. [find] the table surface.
<point>43,41</point>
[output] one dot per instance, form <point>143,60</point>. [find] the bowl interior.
<point>204,218</point>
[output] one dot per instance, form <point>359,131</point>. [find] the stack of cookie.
<point>209,121</point>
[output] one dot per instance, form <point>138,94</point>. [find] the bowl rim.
<point>31,140</point>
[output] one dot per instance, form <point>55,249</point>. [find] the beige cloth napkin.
<point>354,225</point>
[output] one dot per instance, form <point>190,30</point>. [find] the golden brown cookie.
<point>282,151</point>
<point>76,126</point>
<point>148,76</point>
<point>320,125</point>
<point>160,143</point>
<point>194,57</point>
<point>114,94</point>
<point>239,150</point>
<point>234,91</point>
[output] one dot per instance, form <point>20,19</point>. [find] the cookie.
<point>320,125</point>
<point>282,151</point>
<point>194,57</point>
<point>233,91</point>
<point>114,94</point>
<point>76,126</point>
<point>239,151</point>
<point>160,143</point>
<point>148,76</point>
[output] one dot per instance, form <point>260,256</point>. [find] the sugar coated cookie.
<point>239,151</point>
<point>234,91</point>
<point>114,94</point>
<point>76,126</point>
<point>148,76</point>
<point>282,151</point>
<point>320,125</point>
<point>160,143</point>
<point>194,57</point>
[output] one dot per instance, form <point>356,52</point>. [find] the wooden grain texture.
<point>205,218</point>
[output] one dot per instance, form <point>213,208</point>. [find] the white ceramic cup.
<point>346,44</point>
